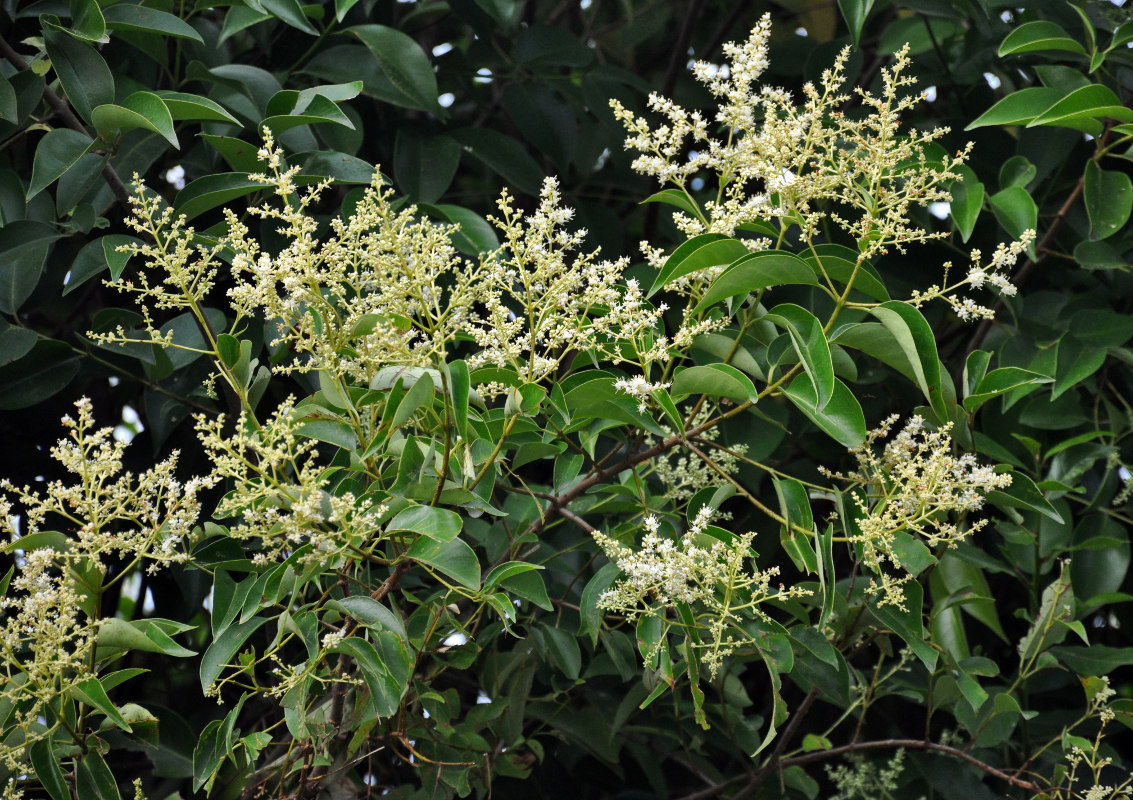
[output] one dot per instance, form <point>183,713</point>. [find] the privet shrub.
<point>486,503</point>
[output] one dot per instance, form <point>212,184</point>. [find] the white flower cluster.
<point>916,485</point>
<point>996,272</point>
<point>280,500</point>
<point>706,569</point>
<point>782,160</point>
<point>683,473</point>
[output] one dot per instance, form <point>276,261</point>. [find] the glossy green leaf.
<point>475,235</point>
<point>290,109</point>
<point>700,252</point>
<point>220,653</point>
<point>409,78</point>
<point>291,12</point>
<point>371,613</point>
<point>841,265</point>
<point>1039,35</point>
<point>385,689</point>
<point>46,369</point>
<point>841,418</point>
<point>1016,210</point>
<point>967,200</point>
<point>1109,200</point>
<point>1023,493</point>
<point>183,105</point>
<point>439,524</point>
<point>24,245</point>
<point>590,619</point>
<point>136,17</point>
<point>45,762</point>
<point>84,75</point>
<point>87,20</point>
<point>94,780</point>
<point>211,191</point>
<point>91,692</point>
<point>140,110</point>
<point>1096,659</point>
<point>915,336</point>
<point>454,558</point>
<point>908,623</point>
<point>811,346</point>
<point>144,635</point>
<point>1018,107</point>
<point>756,271</point>
<point>677,198</point>
<point>58,151</point>
<point>855,13</point>
<point>562,647</point>
<point>999,381</point>
<point>1081,107</point>
<point>1017,171</point>
<point>714,380</point>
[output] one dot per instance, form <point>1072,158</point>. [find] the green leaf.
<point>84,75</point>
<point>87,21</point>
<point>290,109</point>
<point>1015,210</point>
<point>419,394</point>
<point>211,191</point>
<point>1000,381</point>
<point>1075,363</point>
<point>439,524</point>
<point>1039,35</point>
<point>590,618</point>
<point>908,623</point>
<point>677,198</point>
<point>1079,109</point>
<point>140,110</point>
<point>409,78</point>
<point>454,558</point>
<point>1017,171</point>
<point>58,151</point>
<point>136,17</point>
<point>91,692</point>
<point>1097,659</point>
<point>811,345</point>
<point>475,234</point>
<point>45,762</point>
<point>15,343</point>
<point>96,256</point>
<point>504,156</point>
<point>291,12</point>
<point>43,372</point>
<point>714,380</point>
<point>700,252</point>
<point>1018,107</point>
<point>1109,200</point>
<point>841,418</point>
<point>756,271</point>
<point>563,648</point>
<point>183,105</point>
<point>794,504</point>
<point>237,153</point>
<point>967,200</point>
<point>143,635</point>
<point>1057,607</point>
<point>914,335</point>
<point>841,264</point>
<point>9,106</point>
<point>94,780</point>
<point>529,585</point>
<point>1023,493</point>
<point>855,13</point>
<point>23,249</point>
<point>219,654</point>
<point>371,613</point>
<point>424,165</point>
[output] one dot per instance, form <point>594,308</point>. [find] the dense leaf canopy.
<point>533,399</point>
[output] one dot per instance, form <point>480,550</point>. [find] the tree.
<point>427,492</point>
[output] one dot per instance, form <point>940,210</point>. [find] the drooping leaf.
<point>1109,200</point>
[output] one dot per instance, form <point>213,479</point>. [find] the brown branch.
<point>63,110</point>
<point>912,744</point>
